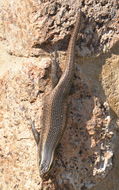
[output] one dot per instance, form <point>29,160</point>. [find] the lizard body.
<point>54,110</point>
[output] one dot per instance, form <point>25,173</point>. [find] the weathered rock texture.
<point>87,157</point>
<point>31,24</point>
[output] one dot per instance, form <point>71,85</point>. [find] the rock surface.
<point>32,24</point>
<point>87,157</point>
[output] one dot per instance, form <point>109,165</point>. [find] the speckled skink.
<point>54,110</point>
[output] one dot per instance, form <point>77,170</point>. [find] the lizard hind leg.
<point>54,69</point>
<point>36,134</point>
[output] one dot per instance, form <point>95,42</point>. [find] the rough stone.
<point>33,26</point>
<point>87,156</point>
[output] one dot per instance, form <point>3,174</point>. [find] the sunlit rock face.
<point>87,157</point>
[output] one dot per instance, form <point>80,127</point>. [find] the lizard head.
<point>45,163</point>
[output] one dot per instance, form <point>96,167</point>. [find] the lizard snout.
<point>44,169</point>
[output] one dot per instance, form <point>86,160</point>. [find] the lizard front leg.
<point>36,134</point>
